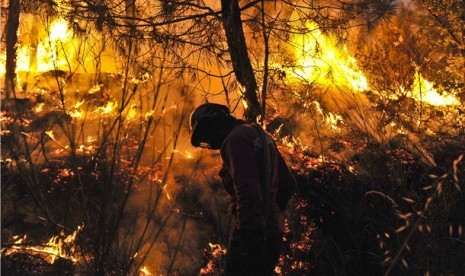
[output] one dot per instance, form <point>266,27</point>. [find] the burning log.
<point>26,263</point>
<point>57,256</point>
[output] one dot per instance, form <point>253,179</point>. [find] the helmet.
<point>203,116</point>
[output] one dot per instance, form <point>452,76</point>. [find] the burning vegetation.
<point>364,98</point>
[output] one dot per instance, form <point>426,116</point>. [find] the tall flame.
<point>320,59</point>
<point>54,50</point>
<point>51,45</point>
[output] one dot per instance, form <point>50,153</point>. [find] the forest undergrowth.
<point>383,209</point>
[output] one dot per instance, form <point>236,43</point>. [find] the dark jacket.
<point>242,175</point>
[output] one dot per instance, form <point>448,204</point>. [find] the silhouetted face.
<point>211,132</point>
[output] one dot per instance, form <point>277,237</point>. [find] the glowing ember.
<point>91,139</point>
<point>51,135</point>
<point>86,149</point>
<point>164,187</point>
<point>320,59</point>
<point>244,103</point>
<point>39,108</point>
<point>149,114</point>
<point>214,256</point>
<point>217,250</point>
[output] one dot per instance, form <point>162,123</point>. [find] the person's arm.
<point>246,182</point>
<point>287,183</point>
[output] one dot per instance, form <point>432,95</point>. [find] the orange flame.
<point>59,246</point>
<point>186,154</point>
<point>145,271</point>
<point>424,90</point>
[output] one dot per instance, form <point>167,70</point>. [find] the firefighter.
<point>258,182</point>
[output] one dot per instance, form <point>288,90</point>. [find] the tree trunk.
<point>12,25</point>
<point>266,40</point>
<point>240,58</point>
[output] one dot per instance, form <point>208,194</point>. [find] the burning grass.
<point>366,205</point>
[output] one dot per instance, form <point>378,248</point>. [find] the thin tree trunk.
<point>240,58</point>
<point>12,25</point>
<point>265,62</point>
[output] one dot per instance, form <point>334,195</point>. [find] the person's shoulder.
<point>243,130</point>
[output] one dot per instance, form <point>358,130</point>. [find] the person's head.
<point>210,124</point>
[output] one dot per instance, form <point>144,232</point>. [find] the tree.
<point>446,35</point>
<point>12,25</point>
<point>239,56</point>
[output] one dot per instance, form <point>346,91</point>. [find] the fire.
<point>132,113</point>
<point>186,154</point>
<point>75,112</point>
<point>59,30</point>
<point>51,135</point>
<point>49,44</point>
<point>54,51</point>
<point>331,118</point>
<point>108,109</point>
<point>145,271</point>
<point>39,108</point>
<point>91,139</point>
<point>215,254</point>
<point>320,59</point>
<point>424,90</point>
<point>149,114</point>
<point>217,250</point>
<point>59,246</point>
<point>245,104</point>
